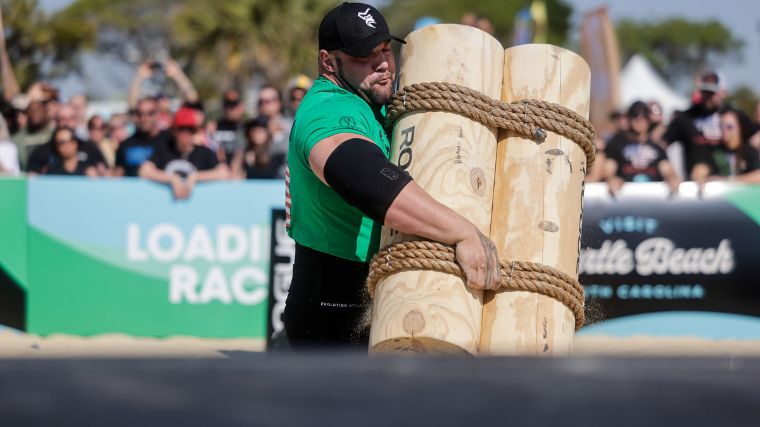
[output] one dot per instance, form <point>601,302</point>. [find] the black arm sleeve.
<point>359,172</point>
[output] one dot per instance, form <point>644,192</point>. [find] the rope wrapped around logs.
<point>530,118</point>
<point>515,275</point>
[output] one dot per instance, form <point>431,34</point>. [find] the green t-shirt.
<point>318,217</point>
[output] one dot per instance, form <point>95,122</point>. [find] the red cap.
<point>186,117</point>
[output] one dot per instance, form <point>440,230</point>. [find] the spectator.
<point>8,152</point>
<point>596,172</point>
<point>700,124</point>
<point>164,112</point>
<point>735,159</point>
<point>180,162</point>
<point>13,114</point>
<point>65,159</point>
<point>228,136</point>
<point>298,88</point>
<point>155,70</point>
<point>657,126</point>
<point>258,161</point>
<point>88,153</point>
<point>78,104</point>
<point>96,129</point>
<point>36,133</point>
<point>66,117</point>
<point>619,122</point>
<point>138,148</point>
<point>634,157</point>
<point>270,108</point>
<point>118,129</point>
<point>755,140</point>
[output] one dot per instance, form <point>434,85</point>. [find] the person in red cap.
<point>180,162</point>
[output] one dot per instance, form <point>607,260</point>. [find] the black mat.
<point>350,390</point>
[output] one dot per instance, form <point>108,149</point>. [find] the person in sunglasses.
<point>138,148</point>
<point>65,158</point>
<point>734,159</point>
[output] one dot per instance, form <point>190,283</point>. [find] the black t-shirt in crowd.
<point>274,169</point>
<point>636,161</point>
<point>229,137</point>
<point>697,126</point>
<point>44,156</point>
<point>724,162</point>
<point>56,168</point>
<point>167,158</point>
<point>138,148</point>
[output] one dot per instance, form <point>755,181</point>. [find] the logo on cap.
<point>368,19</point>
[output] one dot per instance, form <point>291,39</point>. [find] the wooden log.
<point>453,159</point>
<point>537,207</point>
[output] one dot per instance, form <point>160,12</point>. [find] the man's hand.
<point>172,69</point>
<point>614,184</point>
<point>480,262</point>
<point>180,189</point>
<point>144,70</point>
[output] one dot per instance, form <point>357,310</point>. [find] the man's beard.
<point>376,97</point>
<point>379,96</point>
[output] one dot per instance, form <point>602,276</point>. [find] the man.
<point>228,135</point>
<point>138,148</point>
<point>700,124</point>
<point>342,188</point>
<point>78,103</point>
<point>633,157</point>
<point>270,109</point>
<point>36,133</point>
<point>180,162</point>
<point>298,87</point>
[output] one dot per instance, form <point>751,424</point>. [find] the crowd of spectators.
<point>709,141</point>
<point>41,135</point>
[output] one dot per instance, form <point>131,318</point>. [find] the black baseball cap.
<point>354,28</point>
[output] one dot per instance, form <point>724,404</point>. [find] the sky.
<point>740,16</point>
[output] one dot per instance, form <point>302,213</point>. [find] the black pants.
<point>327,302</point>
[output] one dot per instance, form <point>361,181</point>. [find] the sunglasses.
<point>63,141</point>
<point>146,113</point>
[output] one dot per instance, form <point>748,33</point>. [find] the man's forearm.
<point>749,177</point>
<point>186,88</point>
<point>151,172</point>
<point>415,212</point>
<point>218,173</point>
<point>134,92</point>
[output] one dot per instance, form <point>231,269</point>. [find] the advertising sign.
<point>282,253</point>
<point>124,256</point>
<point>683,265</point>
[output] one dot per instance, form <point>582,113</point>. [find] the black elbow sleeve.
<point>359,172</point>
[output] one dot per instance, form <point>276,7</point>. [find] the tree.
<point>219,42</point>
<point>677,47</point>
<point>42,46</point>
<point>744,98</point>
<point>402,14</point>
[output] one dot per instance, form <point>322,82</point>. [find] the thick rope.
<point>515,275</point>
<point>530,118</point>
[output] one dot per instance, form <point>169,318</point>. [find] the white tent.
<point>640,82</point>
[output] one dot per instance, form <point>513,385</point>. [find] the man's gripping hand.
<point>478,257</point>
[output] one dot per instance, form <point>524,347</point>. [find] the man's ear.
<point>327,61</point>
